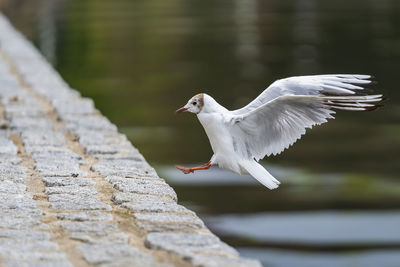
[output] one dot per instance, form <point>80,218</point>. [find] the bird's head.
<point>194,105</point>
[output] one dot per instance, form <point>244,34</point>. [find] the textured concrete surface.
<point>74,191</point>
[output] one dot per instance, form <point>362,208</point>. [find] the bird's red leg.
<point>189,170</point>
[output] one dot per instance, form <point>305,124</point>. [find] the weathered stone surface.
<point>33,213</point>
<point>43,78</point>
<point>8,168</point>
<point>17,201</point>
<point>21,219</point>
<point>43,137</point>
<point>187,244</point>
<point>74,106</point>
<point>121,197</point>
<point>9,176</point>
<point>80,204</point>
<point>88,227</point>
<point>121,165</point>
<point>100,254</point>
<point>50,152</point>
<point>21,100</point>
<point>91,122</point>
<point>24,234</point>
<point>7,147</point>
<point>9,84</point>
<point>150,226</point>
<point>142,186</point>
<point>113,238</point>
<point>85,216</point>
<point>34,256</point>
<point>4,134</point>
<point>136,180</point>
<point>63,181</point>
<point>22,252</point>
<point>40,263</point>
<point>10,172</point>
<point>71,189</point>
<point>156,207</point>
<point>108,149</point>
<point>9,159</point>
<point>59,168</point>
<point>119,156</point>
<point>169,218</point>
<point>27,111</point>
<point>23,123</point>
<point>17,178</point>
<point>94,137</point>
<point>11,187</point>
<point>70,198</point>
<point>124,168</point>
<point>23,245</point>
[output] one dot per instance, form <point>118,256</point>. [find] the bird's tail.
<point>261,174</point>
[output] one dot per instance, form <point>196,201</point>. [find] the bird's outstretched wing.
<point>269,128</point>
<point>332,84</point>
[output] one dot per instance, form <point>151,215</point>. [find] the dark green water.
<point>141,60</point>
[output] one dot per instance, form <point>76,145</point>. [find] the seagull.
<point>275,120</point>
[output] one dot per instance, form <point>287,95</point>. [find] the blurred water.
<point>288,258</point>
<point>327,238</point>
<point>140,60</point>
<point>314,228</point>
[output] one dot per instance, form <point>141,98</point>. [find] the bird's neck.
<point>211,106</point>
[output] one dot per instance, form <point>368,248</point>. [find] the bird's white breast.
<point>220,139</point>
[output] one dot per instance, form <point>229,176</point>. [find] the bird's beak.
<point>180,110</point>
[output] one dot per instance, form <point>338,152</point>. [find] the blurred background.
<point>339,202</point>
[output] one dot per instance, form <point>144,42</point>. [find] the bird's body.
<point>217,123</point>
<point>274,120</point>
<point>217,132</point>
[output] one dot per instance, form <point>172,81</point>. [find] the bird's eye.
<point>194,103</point>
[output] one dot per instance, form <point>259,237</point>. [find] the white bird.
<point>275,120</point>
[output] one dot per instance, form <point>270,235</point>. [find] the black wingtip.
<point>373,82</point>
<point>373,108</point>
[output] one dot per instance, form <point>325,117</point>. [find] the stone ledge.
<point>76,192</point>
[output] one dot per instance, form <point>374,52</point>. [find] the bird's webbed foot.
<point>189,170</point>
<point>183,169</point>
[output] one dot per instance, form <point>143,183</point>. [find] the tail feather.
<point>261,174</point>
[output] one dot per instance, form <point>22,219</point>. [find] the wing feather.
<point>276,125</point>
<point>334,84</point>
<point>281,114</point>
